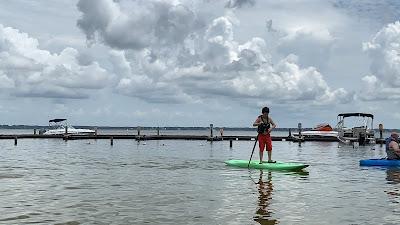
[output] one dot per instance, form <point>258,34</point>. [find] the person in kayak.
<point>392,146</point>
<point>265,124</point>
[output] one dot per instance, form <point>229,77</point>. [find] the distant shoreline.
<point>164,128</point>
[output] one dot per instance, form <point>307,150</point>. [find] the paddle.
<point>255,143</point>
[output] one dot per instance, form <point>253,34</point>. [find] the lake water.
<point>186,182</point>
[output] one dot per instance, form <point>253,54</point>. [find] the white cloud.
<point>374,89</point>
<point>137,84</point>
<point>239,3</point>
<point>213,52</point>
<point>378,12</point>
<point>5,81</point>
<point>219,47</point>
<point>313,46</point>
<point>384,52</point>
<point>34,72</point>
<point>153,22</point>
<point>207,63</point>
<point>288,82</point>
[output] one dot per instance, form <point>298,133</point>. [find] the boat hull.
<point>70,131</point>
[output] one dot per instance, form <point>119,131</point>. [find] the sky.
<point>198,62</point>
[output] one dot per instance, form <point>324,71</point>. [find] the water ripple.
<point>187,182</point>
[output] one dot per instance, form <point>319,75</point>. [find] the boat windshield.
<point>354,121</point>
<point>59,124</point>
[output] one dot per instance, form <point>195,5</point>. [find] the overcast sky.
<point>196,62</point>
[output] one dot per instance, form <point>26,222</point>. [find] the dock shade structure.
<point>341,117</point>
<point>344,115</point>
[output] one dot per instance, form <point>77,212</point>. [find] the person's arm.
<point>257,122</point>
<point>273,125</point>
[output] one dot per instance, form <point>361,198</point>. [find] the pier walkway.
<point>170,137</point>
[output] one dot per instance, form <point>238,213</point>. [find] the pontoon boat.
<point>360,131</point>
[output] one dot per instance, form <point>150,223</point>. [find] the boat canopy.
<point>344,115</point>
<point>56,120</point>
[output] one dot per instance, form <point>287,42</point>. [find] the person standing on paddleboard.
<point>264,125</point>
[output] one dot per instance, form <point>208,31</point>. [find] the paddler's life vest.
<point>261,129</point>
<point>389,152</point>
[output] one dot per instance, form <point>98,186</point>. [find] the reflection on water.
<point>393,193</point>
<point>186,182</point>
<point>265,188</point>
<point>393,177</point>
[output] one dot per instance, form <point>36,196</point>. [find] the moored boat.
<point>320,131</point>
<point>60,126</point>
<point>362,132</point>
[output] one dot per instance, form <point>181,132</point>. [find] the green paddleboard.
<point>254,164</point>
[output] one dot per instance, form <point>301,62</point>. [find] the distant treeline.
<point>129,128</point>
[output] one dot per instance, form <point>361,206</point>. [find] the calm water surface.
<point>186,182</point>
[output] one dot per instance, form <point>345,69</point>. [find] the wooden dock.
<point>138,138</point>
<point>169,137</point>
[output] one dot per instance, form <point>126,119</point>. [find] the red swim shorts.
<point>265,140</point>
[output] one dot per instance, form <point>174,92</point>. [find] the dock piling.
<point>138,131</point>
<point>66,130</point>
<point>34,131</point>
<point>230,143</point>
<point>299,126</point>
<point>211,130</point>
<point>158,131</point>
<point>112,141</point>
<point>15,140</point>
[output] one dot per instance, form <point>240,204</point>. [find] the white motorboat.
<point>60,126</point>
<point>319,131</point>
<point>361,131</point>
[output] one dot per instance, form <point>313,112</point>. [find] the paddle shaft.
<point>251,156</point>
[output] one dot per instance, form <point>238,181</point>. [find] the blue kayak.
<point>379,162</point>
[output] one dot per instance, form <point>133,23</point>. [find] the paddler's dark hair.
<point>265,110</point>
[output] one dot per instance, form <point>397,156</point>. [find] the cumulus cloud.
<point>218,43</point>
<point>288,82</point>
<point>371,10</point>
<point>374,89</point>
<point>239,3</point>
<point>384,52</point>
<point>5,81</point>
<point>204,61</point>
<point>34,72</point>
<point>136,24</point>
<point>313,46</point>
<point>135,83</point>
